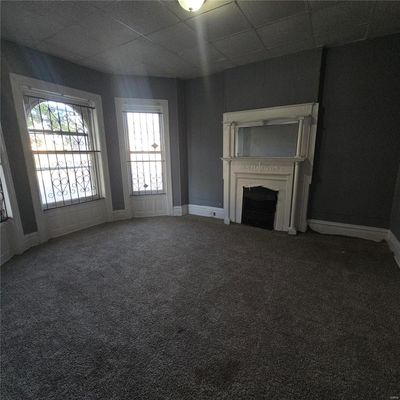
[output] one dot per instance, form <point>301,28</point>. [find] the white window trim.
<point>22,85</point>
<point>122,105</point>
<point>12,227</point>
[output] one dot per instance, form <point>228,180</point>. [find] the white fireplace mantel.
<point>289,176</point>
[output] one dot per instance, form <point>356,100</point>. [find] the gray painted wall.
<point>287,80</point>
<point>28,62</point>
<point>204,109</point>
<point>183,143</point>
<point>292,79</point>
<point>395,216</point>
<point>358,146</point>
<point>358,143</point>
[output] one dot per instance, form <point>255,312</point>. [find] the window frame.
<point>6,196</point>
<point>7,184</point>
<point>96,154</point>
<point>21,86</point>
<point>162,152</point>
<point>122,105</point>
<point>11,228</point>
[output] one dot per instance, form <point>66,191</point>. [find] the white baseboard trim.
<point>394,245</point>
<point>119,215</point>
<point>205,211</point>
<point>358,231</point>
<point>179,211</point>
<point>74,228</point>
<point>28,241</point>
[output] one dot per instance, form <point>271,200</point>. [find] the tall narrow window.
<point>65,151</point>
<point>146,152</point>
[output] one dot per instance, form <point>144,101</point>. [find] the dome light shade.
<point>191,5</point>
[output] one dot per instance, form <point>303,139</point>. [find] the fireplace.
<point>259,206</point>
<point>268,160</point>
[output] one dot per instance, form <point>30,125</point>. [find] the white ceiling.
<point>159,38</point>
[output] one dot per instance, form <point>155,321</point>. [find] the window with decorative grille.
<point>146,152</point>
<point>65,151</point>
<point>3,206</point>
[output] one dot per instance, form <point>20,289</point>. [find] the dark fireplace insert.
<point>259,206</point>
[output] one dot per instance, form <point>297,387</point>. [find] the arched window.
<point>65,151</point>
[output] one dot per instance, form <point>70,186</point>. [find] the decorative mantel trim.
<point>294,173</point>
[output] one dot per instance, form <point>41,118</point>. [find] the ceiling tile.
<point>385,19</point>
<point>122,63</point>
<point>290,30</point>
<point>22,26</point>
<point>64,13</point>
<point>56,50</point>
<point>317,5</point>
<point>265,12</point>
<point>113,60</point>
<point>290,48</point>
<point>218,66</point>
<point>218,23</point>
<point>174,64</point>
<point>202,55</point>
<point>145,70</point>
<point>142,16</point>
<point>106,30</point>
<point>76,39</point>
<point>102,4</point>
<point>345,16</point>
<point>239,44</point>
<point>177,37</point>
<point>104,35</point>
<point>174,6</point>
<point>142,51</point>
<point>249,58</point>
<point>342,36</point>
<point>91,62</point>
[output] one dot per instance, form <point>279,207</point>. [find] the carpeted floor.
<point>188,308</point>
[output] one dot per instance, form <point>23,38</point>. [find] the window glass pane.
<point>147,178</point>
<point>64,153</point>
<point>144,131</point>
<point>146,157</point>
<point>146,153</point>
<point>3,207</point>
<point>267,141</point>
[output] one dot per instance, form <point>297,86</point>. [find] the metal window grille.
<point>3,206</point>
<point>146,153</point>
<point>65,151</point>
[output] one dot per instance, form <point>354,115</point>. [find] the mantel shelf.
<point>264,159</point>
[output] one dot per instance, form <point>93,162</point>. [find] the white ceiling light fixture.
<point>191,5</point>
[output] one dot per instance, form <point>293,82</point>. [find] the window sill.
<point>82,204</point>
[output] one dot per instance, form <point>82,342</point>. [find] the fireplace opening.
<point>259,206</point>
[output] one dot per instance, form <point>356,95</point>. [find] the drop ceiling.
<point>159,38</point>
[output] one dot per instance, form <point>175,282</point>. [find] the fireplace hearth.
<point>259,207</point>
